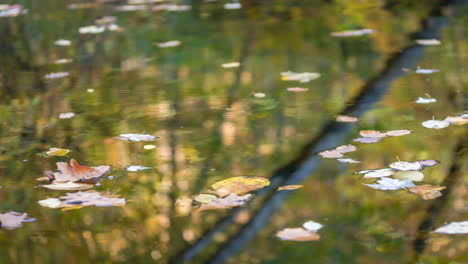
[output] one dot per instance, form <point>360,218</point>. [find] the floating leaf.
<point>427,163</point>
<point>259,95</point>
<point>457,120</point>
<point>312,226</point>
<point>231,65</point>
<point>149,147</point>
<point>427,191</point>
<point>352,33</point>
<point>57,152</point>
<point>50,202</point>
<point>426,71</point>
<point>232,200</point>
<point>297,234</point>
<point>297,89</point>
<point>290,187</point>
<point>62,42</point>
<point>391,184</point>
<point>397,133</point>
<point>422,100</point>
<point>302,77</point>
<point>137,168</point>
<point>169,44</point>
<point>378,173</point>
<point>372,134</point>
<point>412,175</point>
<point>204,198</point>
<point>367,140</point>
<point>348,161</point>
<point>239,185</point>
<point>405,166</point>
<point>137,137</point>
<point>90,198</point>
<point>66,115</point>
<point>77,173</point>
<point>62,61</point>
<point>437,124</point>
<point>428,42</point>
<point>12,220</point>
<point>56,75</point>
<point>347,119</point>
<point>453,228</point>
<point>68,186</point>
<point>337,152</point>
<point>231,6</point>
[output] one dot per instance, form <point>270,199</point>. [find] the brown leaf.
<point>427,191</point>
<point>77,173</point>
<point>297,234</point>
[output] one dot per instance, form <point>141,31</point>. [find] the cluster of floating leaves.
<point>439,124</point>
<point>308,232</point>
<point>338,153</point>
<point>404,173</point>
<point>230,192</point>
<point>374,136</point>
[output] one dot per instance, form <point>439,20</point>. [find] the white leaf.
<point>437,124</point>
<point>405,166</point>
<point>312,226</point>
<point>454,228</point>
<point>391,184</point>
<point>422,100</point>
<point>136,168</point>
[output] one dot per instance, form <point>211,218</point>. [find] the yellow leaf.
<point>57,152</point>
<point>239,185</point>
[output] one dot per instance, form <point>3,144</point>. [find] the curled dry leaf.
<point>427,191</point>
<point>232,200</point>
<point>290,187</point>
<point>57,152</point>
<point>347,119</point>
<point>453,228</point>
<point>74,172</point>
<point>436,124</point>
<point>412,175</point>
<point>297,234</point>
<point>239,185</point>
<point>12,220</point>
<point>405,166</point>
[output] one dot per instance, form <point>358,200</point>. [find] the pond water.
<point>205,78</point>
